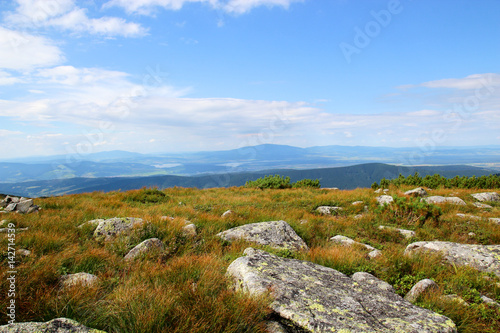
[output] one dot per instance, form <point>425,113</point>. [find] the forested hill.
<point>351,177</point>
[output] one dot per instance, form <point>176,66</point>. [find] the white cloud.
<point>147,7</point>
<point>475,81</point>
<point>65,15</point>
<point>7,79</point>
<point>5,133</point>
<point>18,50</point>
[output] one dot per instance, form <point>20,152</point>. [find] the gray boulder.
<point>78,279</point>
<point>146,246</point>
<point>319,299</point>
<point>59,325</point>
<point>406,233</point>
<point>417,192</point>
<point>328,210</point>
<point>227,213</point>
<point>481,205</point>
<point>110,228</point>
<point>346,241</point>
<point>385,199</point>
<point>419,288</point>
<point>11,207</point>
<point>436,199</point>
<point>24,205</point>
<point>277,234</point>
<point>94,223</point>
<point>189,230</point>
<point>484,258</point>
<point>486,196</point>
<point>494,220</point>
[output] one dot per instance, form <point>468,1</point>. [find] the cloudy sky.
<point>191,75</point>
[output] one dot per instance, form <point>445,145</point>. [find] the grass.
<point>186,290</point>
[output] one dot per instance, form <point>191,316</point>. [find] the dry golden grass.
<point>185,290</point>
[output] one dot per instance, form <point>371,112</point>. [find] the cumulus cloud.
<point>474,81</point>
<point>17,50</point>
<point>66,15</point>
<point>7,79</point>
<point>147,7</point>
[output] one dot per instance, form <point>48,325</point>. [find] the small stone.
<point>456,298</point>
<point>3,223</point>
<point>466,216</point>
<point>490,301</point>
<point>23,252</point>
<point>11,207</point>
<point>486,196</point>
<point>442,200</point>
<point>110,228</point>
<point>346,241</point>
<point>417,192</point>
<point>482,205</point>
<point>227,213</point>
<point>471,234</point>
<point>79,279</point>
<point>166,218</point>
<point>189,230</point>
<point>359,216</point>
<point>355,203</point>
<point>24,205</point>
<point>406,233</point>
<point>146,246</point>
<point>494,220</point>
<point>94,223</point>
<point>419,288</point>
<point>33,209</point>
<point>328,210</point>
<point>384,199</point>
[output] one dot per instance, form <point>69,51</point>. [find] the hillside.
<point>182,286</point>
<point>342,177</point>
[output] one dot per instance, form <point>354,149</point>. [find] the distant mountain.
<point>342,177</point>
<point>245,159</point>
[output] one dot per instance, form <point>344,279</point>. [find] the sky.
<point>194,75</point>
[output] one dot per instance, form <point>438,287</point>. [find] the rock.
<point>355,203</point>
<point>275,327</point>
<point>10,207</point>
<point>379,191</point>
<point>346,241</point>
<point>436,199</point>
<point>481,205</point>
<point>277,234</point>
<point>490,301</point>
<point>357,217</point>
<point>328,210</point>
<point>419,288</point>
<point>107,229</point>
<point>12,199</point>
<point>456,298</point>
<point>146,246</point>
<point>4,223</point>
<point>3,203</point>
<point>23,252</point>
<point>484,258</point>
<point>471,234</point>
<point>78,280</point>
<point>384,199</point>
<point>227,213</point>
<point>189,230</point>
<point>467,216</point>
<point>33,209</point>
<point>315,298</point>
<point>59,325</point>
<point>406,233</point>
<point>166,218</point>
<point>24,206</point>
<point>417,192</point>
<point>386,190</point>
<point>94,223</point>
<point>494,220</point>
<point>486,196</point>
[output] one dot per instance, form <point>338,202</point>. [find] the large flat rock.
<point>320,299</point>
<point>486,196</point>
<point>484,258</point>
<point>107,229</point>
<point>59,325</point>
<point>277,234</point>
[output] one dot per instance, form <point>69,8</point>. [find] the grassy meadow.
<point>185,289</point>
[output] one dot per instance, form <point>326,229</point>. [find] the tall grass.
<point>185,289</point>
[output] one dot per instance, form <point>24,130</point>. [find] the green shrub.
<point>280,182</point>
<point>306,183</point>
<point>409,211</point>
<point>274,182</point>
<point>147,195</point>
<point>437,181</point>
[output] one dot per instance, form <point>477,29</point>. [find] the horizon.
<point>157,77</point>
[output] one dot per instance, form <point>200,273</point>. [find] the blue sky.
<point>190,75</point>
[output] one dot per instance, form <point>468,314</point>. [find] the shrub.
<point>147,195</point>
<point>409,211</point>
<point>306,183</point>
<point>274,182</point>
